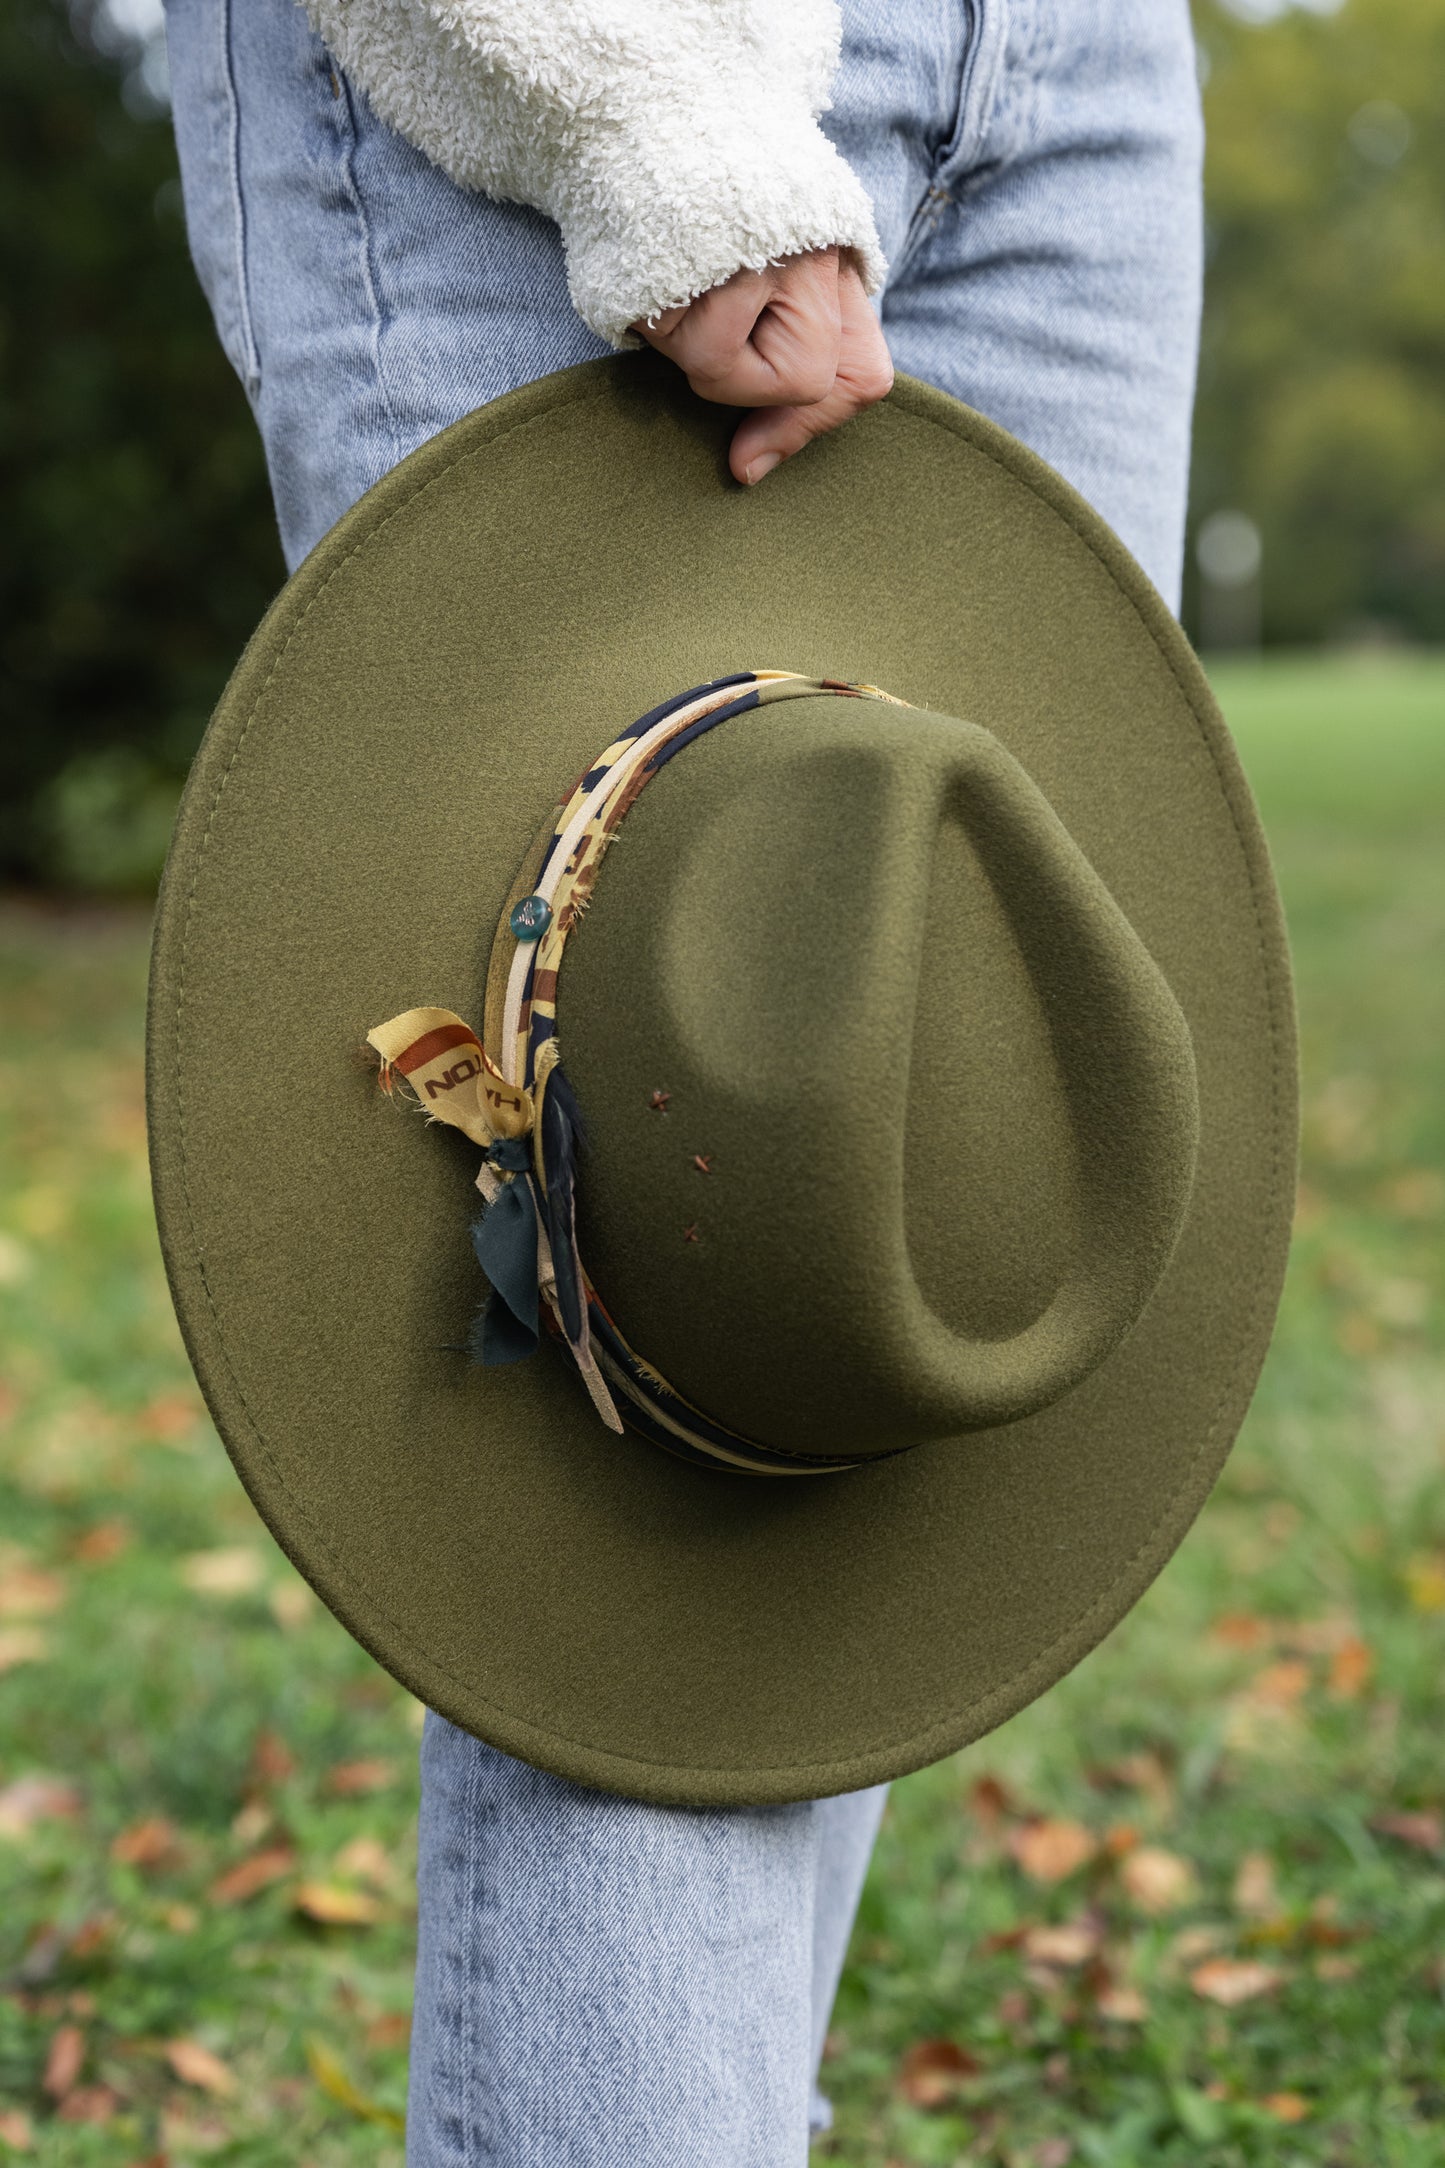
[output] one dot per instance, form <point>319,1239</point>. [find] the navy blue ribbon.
<point>505,1242</point>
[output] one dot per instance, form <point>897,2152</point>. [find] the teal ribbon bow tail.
<point>505,1242</point>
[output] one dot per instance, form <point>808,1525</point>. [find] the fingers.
<point>863,375</point>
<point>798,343</point>
<point>762,338</point>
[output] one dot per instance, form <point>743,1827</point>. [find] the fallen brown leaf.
<point>990,1799</point>
<point>332,1906</point>
<point>1351,1668</point>
<point>1254,1887</point>
<point>1052,1850</point>
<point>254,1821</point>
<point>22,1645</point>
<point>1072,1942</point>
<point>353,1779</point>
<point>1281,1684</point>
<point>272,1761</point>
<point>391,2030</point>
<point>1192,1943</point>
<point>1125,2005</point>
<point>195,2065</point>
<point>171,1416</point>
<point>1421,1827</point>
<point>31,1799</point>
<point>249,1876</point>
<point>1242,1630</point>
<point>366,1859</point>
<point>932,2071</point>
<point>30,1592</point>
<point>1120,1838</point>
<point>92,1935</point>
<point>1233,1980</point>
<point>236,1570</point>
<point>291,1605</point>
<point>105,1541</point>
<point>1157,1881</point>
<point>63,2060</point>
<point>16,2130</point>
<point>150,1843</point>
<point>1145,1772</point>
<point>1288,2107</point>
<point>1004,1938</point>
<point>88,2104</point>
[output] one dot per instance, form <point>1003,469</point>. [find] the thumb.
<point>772,434</point>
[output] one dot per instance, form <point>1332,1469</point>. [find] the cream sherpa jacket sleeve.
<point>673,141</point>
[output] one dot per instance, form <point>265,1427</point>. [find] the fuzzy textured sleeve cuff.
<point>673,141</point>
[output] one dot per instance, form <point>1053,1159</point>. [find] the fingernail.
<point>763,464</point>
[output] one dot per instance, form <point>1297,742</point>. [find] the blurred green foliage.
<point>1322,380</point>
<point>137,549</point>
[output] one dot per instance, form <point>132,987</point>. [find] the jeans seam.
<point>985,29</point>
<point>471,2148</point>
<point>368,256</point>
<point>988,23</point>
<point>250,357</point>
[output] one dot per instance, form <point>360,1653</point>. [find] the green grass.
<point>1257,1719</point>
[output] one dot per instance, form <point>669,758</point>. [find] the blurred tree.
<point>138,547</point>
<point>138,551</point>
<point>1322,379</point>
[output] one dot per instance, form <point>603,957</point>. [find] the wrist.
<point>655,214</point>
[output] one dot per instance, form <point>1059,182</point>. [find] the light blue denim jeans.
<point>602,1984</point>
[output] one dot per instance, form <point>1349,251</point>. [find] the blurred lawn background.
<point>1191,1908</point>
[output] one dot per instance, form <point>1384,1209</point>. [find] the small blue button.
<point>530,918</point>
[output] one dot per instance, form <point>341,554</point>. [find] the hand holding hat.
<point>798,342</point>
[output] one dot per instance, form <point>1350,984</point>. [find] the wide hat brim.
<point>446,662</point>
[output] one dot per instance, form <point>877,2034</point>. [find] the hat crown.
<point>929,1117</point>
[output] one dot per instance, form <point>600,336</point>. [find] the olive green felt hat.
<point>935,1065</point>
